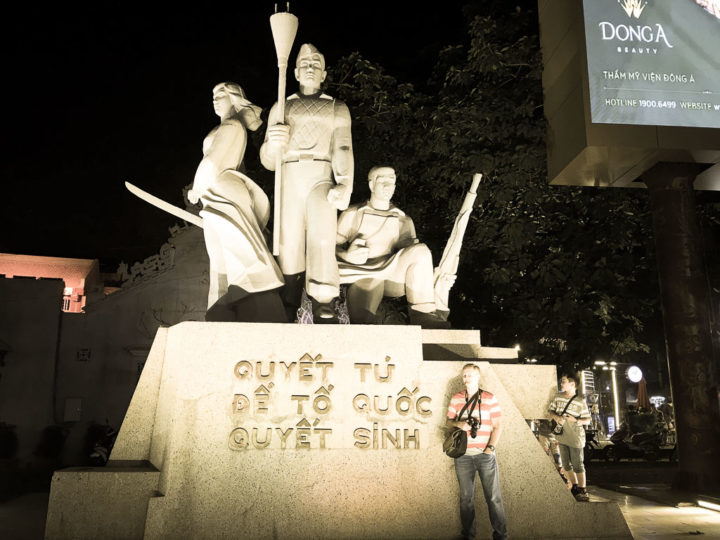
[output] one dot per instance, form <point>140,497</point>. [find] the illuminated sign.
<point>657,400</point>
<point>611,424</point>
<point>653,62</point>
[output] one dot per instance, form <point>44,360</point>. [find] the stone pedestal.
<point>291,431</point>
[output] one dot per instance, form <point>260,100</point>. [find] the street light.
<point>635,374</point>
<point>615,397</point>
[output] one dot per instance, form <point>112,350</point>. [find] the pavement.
<point>23,518</point>
<point>655,511</point>
<point>652,511</point>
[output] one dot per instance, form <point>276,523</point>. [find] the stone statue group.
<point>371,247</point>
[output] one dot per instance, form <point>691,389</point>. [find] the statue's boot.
<point>363,298</point>
<point>237,305</point>
<point>324,312</point>
<point>292,294</point>
<point>362,316</point>
<point>428,320</point>
<point>220,312</point>
<point>266,306</point>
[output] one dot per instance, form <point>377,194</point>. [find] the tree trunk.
<point>686,319</point>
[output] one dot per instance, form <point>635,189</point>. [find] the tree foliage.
<point>566,272</point>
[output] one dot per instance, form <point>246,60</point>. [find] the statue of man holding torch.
<point>312,145</point>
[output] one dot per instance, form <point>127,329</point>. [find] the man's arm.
<point>349,247</point>
<point>494,435</point>
<point>452,421</point>
<point>407,235</point>
<point>496,419</point>
<point>343,163</point>
<point>584,419</point>
<point>277,136</point>
<point>553,414</point>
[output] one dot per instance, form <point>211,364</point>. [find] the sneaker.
<point>582,495</point>
<point>574,490</point>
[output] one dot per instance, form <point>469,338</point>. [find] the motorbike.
<point>595,445</point>
<point>626,445</point>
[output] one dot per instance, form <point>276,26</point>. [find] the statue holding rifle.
<point>312,144</point>
<point>380,255</point>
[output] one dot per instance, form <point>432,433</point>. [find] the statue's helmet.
<point>309,50</point>
<point>381,170</point>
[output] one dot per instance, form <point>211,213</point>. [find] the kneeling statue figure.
<point>379,255</point>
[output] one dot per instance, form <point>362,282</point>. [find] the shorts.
<point>572,458</point>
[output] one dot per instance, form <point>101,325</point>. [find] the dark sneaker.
<point>582,495</point>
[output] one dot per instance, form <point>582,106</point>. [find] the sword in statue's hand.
<point>162,205</point>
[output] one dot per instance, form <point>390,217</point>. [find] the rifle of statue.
<point>451,254</point>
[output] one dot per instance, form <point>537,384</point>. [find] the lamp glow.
<point>635,374</point>
<point>709,505</point>
<point>615,397</point>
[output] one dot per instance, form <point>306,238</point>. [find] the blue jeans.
<point>486,466</point>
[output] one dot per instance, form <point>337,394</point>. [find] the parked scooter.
<point>645,445</point>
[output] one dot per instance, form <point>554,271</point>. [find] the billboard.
<point>654,62</point>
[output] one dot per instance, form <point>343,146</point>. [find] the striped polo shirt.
<point>573,433</point>
<point>489,409</point>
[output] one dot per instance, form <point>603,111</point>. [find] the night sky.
<point>114,92</point>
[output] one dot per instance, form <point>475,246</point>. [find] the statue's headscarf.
<point>251,118</point>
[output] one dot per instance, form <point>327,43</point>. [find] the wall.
<point>29,326</point>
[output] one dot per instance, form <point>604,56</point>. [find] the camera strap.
<point>567,405</point>
<point>475,400</point>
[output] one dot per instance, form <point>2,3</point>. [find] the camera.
<point>474,425</point>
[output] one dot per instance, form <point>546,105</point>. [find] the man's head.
<point>471,376</point>
<point>310,68</point>
<point>382,183</point>
<point>569,383</point>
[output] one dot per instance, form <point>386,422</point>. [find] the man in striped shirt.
<point>570,411</point>
<point>480,454</point>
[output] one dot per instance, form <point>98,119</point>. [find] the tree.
<point>568,272</point>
